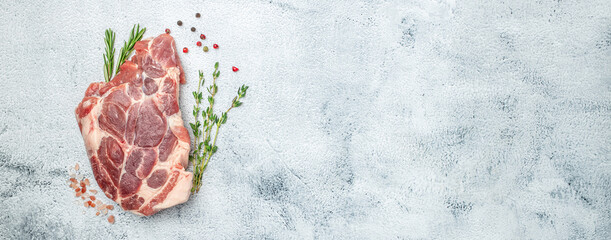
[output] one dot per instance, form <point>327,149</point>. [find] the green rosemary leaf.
<point>109,56</point>
<point>128,46</point>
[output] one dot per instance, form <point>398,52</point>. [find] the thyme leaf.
<point>203,151</point>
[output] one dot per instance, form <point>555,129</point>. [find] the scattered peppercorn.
<point>167,30</point>
<point>205,48</point>
<point>235,69</point>
<point>215,46</point>
<point>202,36</point>
<point>199,44</point>
<point>185,50</point>
<point>179,23</point>
<point>197,15</point>
<point>192,29</point>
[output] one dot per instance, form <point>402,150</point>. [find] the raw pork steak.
<point>134,133</point>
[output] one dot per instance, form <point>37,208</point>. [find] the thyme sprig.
<point>126,50</point>
<point>203,151</point>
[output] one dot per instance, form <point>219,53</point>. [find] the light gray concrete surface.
<point>365,119</point>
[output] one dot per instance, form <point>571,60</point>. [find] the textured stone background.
<point>372,119</point>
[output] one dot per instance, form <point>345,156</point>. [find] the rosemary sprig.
<point>109,56</point>
<point>128,46</point>
<point>201,156</point>
<point>126,50</point>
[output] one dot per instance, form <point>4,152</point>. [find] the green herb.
<point>109,56</point>
<point>128,46</point>
<point>205,145</point>
<point>126,50</point>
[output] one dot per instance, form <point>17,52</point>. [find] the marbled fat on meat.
<point>133,131</point>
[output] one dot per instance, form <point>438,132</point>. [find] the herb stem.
<point>197,102</point>
<point>211,121</point>
<point>201,156</point>
<point>126,50</point>
<point>218,126</point>
<point>128,46</point>
<point>109,56</point>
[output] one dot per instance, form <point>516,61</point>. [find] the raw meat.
<point>133,131</point>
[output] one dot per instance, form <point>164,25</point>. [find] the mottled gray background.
<point>370,120</point>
